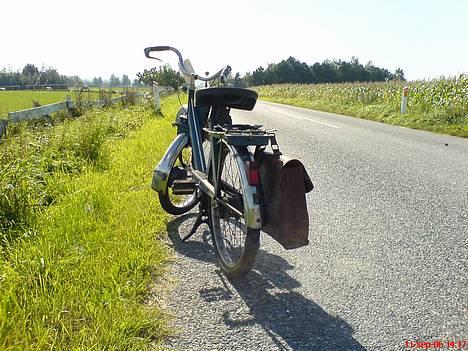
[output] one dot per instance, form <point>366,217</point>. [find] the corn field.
<point>447,97</point>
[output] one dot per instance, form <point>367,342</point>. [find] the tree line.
<point>292,70</point>
<point>114,81</point>
<point>31,75</point>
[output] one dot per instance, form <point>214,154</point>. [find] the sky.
<point>426,38</point>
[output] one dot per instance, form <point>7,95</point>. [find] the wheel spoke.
<point>231,229</point>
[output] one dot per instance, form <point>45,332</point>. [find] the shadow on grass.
<point>292,321</point>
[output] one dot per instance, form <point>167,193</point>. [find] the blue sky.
<point>96,38</point>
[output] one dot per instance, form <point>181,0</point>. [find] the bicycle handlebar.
<point>224,72</point>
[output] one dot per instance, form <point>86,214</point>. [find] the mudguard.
<point>162,170</point>
<point>253,218</point>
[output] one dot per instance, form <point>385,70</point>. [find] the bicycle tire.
<point>227,227</point>
<point>171,203</point>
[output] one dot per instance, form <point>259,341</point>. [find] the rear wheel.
<point>235,244</point>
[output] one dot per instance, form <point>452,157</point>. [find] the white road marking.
<point>301,118</point>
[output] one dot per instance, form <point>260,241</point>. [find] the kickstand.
<point>202,217</point>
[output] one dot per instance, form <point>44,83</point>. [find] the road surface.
<point>387,260</point>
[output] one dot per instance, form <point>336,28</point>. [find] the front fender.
<point>162,170</point>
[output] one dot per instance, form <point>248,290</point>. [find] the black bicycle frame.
<point>195,133</point>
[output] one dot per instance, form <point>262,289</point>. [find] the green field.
<point>22,99</point>
<point>15,100</point>
<point>79,228</point>
<point>438,105</point>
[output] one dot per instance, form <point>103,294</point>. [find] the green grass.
<point>22,99</point>
<point>81,229</point>
<point>15,100</point>
<point>439,106</point>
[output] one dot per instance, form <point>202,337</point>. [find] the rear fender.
<point>251,197</point>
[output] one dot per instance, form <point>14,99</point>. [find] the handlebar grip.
<point>155,48</point>
<point>226,71</point>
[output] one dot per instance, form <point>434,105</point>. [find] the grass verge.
<point>76,273</point>
<point>432,122</point>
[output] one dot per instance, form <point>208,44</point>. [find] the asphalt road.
<point>387,260</point>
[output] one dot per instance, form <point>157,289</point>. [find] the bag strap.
<point>274,147</point>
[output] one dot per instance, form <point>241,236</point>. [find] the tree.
<point>74,81</point>
<point>30,74</point>
<point>164,76</point>
<point>258,76</point>
<point>235,81</point>
<point>114,81</point>
<point>136,83</point>
<point>238,82</point>
<point>375,73</point>
<point>399,75</point>
<point>125,81</point>
<point>292,70</point>
<point>345,71</point>
<point>30,70</point>
<point>325,72</point>
<point>247,79</point>
<point>97,81</point>
<point>51,76</point>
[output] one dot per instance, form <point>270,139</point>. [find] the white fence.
<point>37,112</point>
<point>46,110</point>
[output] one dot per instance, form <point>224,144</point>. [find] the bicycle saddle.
<point>237,98</point>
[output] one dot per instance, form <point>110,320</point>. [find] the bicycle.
<point>223,178</point>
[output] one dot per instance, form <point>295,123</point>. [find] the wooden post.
<point>69,102</point>
<point>3,128</point>
<point>157,100</point>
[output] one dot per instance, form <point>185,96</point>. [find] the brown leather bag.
<point>284,183</point>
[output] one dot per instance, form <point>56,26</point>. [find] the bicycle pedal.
<point>184,187</point>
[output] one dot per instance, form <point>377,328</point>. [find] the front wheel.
<point>235,244</point>
<point>178,204</point>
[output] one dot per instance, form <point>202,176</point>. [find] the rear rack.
<point>241,134</point>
